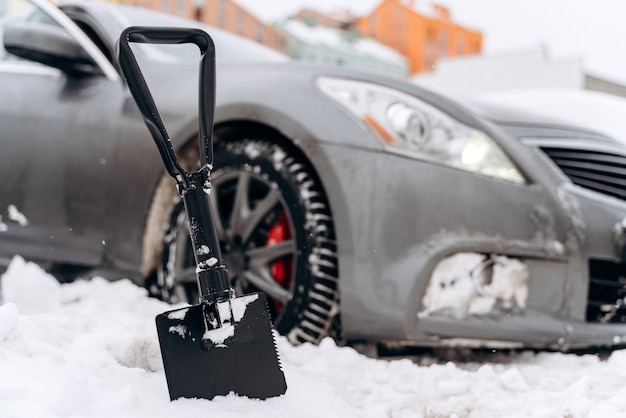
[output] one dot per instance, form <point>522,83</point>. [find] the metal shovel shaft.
<point>213,280</point>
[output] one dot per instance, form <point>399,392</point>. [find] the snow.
<point>240,304</point>
<point>178,314</point>
<point>14,215</point>
<point>179,329</point>
<point>17,216</point>
<point>203,265</point>
<point>466,284</point>
<point>89,349</point>
<point>203,250</point>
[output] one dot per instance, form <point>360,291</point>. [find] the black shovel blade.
<point>239,357</point>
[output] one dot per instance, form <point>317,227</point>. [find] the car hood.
<point>510,114</point>
<point>522,121</point>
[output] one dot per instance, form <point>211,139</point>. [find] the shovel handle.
<point>212,274</point>
<point>141,93</point>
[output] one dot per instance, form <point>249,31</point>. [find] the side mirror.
<point>49,45</point>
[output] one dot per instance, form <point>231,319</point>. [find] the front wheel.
<point>276,233</point>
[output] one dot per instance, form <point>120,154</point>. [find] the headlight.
<point>408,126</point>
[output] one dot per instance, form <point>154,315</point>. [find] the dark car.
<point>365,207</point>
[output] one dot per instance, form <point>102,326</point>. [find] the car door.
<point>57,135</point>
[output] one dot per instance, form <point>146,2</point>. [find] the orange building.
<point>225,14</point>
<point>422,36</point>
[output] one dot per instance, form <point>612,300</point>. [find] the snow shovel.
<point>224,343</point>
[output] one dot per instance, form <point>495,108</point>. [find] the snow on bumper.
<point>475,284</point>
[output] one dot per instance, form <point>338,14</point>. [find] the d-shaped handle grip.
<point>141,93</point>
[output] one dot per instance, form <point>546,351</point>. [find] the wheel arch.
<point>164,193</point>
<point>309,151</point>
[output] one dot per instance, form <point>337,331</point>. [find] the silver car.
<point>367,208</point>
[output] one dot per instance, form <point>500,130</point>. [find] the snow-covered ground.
<point>89,349</point>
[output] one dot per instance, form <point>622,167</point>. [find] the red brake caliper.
<point>281,270</point>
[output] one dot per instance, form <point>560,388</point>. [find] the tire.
<point>276,233</point>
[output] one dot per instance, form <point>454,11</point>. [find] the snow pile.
<point>471,284</point>
<point>89,349</point>
<point>29,287</point>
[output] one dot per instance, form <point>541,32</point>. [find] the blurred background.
<point>556,56</point>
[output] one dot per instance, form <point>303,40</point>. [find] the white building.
<point>468,76</point>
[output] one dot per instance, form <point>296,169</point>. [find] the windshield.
<point>229,47</point>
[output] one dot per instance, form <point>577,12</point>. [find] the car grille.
<point>599,171</point>
<point>606,302</point>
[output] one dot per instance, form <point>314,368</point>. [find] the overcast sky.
<point>593,31</point>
